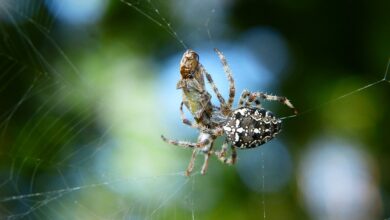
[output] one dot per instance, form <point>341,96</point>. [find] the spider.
<point>247,126</point>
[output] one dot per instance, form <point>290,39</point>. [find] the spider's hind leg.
<point>207,152</point>
<point>222,154</point>
<point>191,165</point>
<point>192,162</point>
<point>186,144</point>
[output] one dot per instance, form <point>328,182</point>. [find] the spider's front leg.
<point>229,75</point>
<point>243,99</point>
<point>213,86</point>
<point>281,99</point>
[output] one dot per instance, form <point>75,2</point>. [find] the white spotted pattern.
<point>251,127</point>
<point>240,130</point>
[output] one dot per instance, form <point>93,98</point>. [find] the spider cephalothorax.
<point>247,126</point>
<point>251,127</point>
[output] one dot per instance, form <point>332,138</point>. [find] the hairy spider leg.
<point>233,157</point>
<point>224,149</point>
<point>213,86</point>
<point>243,98</point>
<point>205,163</point>
<point>186,144</point>
<point>192,162</point>
<point>222,154</point>
<point>253,98</point>
<point>281,99</point>
<point>229,75</point>
<point>207,153</point>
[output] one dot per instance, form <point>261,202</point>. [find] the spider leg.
<point>213,86</point>
<point>243,98</point>
<point>258,103</point>
<point>222,154</point>
<point>205,163</point>
<point>207,151</point>
<point>186,143</point>
<point>229,75</point>
<point>252,97</point>
<point>224,149</point>
<point>192,162</point>
<point>280,99</point>
<point>234,155</point>
<point>207,154</point>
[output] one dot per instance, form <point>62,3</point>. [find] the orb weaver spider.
<point>246,126</point>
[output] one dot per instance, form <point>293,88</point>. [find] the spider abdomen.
<point>250,127</point>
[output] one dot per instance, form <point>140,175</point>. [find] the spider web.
<point>54,137</point>
<point>79,129</point>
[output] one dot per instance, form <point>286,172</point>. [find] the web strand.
<point>384,79</point>
<point>77,188</point>
<point>387,71</point>
<point>163,203</point>
<point>263,182</point>
<point>168,28</point>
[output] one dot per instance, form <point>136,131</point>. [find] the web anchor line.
<point>384,79</point>
<point>168,27</point>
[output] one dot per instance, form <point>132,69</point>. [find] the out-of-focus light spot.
<point>207,10</point>
<point>210,20</point>
<point>270,46</point>
<point>77,11</point>
<point>336,181</point>
<point>277,167</point>
<point>135,167</point>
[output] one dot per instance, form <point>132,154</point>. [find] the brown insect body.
<point>195,96</point>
